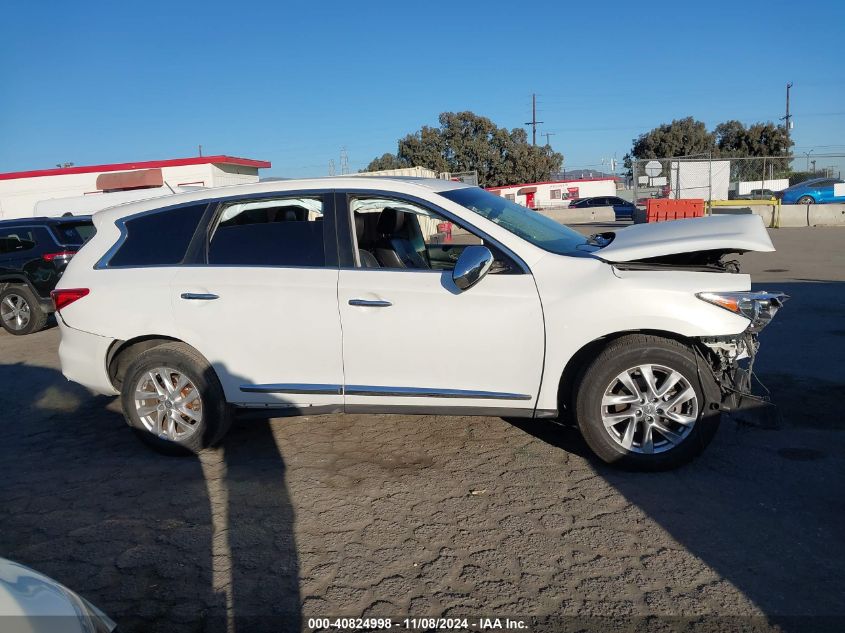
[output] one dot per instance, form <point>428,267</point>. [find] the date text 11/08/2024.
<point>413,624</point>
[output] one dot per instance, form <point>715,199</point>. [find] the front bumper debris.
<point>732,360</point>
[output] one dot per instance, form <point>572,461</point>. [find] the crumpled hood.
<point>728,233</point>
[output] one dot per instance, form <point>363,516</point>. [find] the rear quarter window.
<point>158,238</point>
<point>73,233</point>
<point>22,239</point>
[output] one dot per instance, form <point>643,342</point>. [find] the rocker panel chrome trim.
<point>375,390</point>
<point>335,390</point>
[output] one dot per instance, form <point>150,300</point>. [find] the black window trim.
<point>196,255</point>
<point>344,211</point>
<point>199,246</point>
<point>104,262</point>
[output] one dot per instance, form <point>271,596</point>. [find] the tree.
<point>760,139</point>
<point>465,141</point>
<point>688,137</point>
<point>682,137</point>
<point>385,161</point>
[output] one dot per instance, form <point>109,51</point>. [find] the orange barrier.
<point>663,209</point>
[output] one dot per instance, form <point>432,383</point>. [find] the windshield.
<point>74,233</point>
<point>529,225</point>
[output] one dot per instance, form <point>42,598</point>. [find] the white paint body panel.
<point>511,334</point>
<point>488,338</point>
<point>36,603</point>
<point>268,326</point>
<point>713,232</point>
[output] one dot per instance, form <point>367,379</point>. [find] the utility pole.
<point>533,122</point>
<point>787,119</point>
<point>344,161</point>
<point>200,150</point>
<point>547,135</point>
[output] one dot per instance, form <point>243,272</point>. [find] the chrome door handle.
<point>370,303</point>
<point>199,296</point>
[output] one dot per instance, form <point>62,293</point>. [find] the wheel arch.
<point>579,361</point>
<point>121,353</point>
<point>16,280</point>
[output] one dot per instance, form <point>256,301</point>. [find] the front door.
<point>529,199</point>
<point>412,341</point>
<point>263,308</point>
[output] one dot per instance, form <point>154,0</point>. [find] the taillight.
<point>61,256</point>
<point>64,297</point>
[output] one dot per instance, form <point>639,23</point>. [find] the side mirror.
<point>475,261</point>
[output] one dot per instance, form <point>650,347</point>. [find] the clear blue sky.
<point>292,82</point>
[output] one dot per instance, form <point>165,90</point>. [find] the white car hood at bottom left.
<point>31,602</point>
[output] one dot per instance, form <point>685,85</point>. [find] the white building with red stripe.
<point>556,193</point>
<point>86,189</point>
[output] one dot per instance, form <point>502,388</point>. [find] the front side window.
<point>158,238</point>
<point>395,233</point>
<point>531,226</point>
<point>276,232</point>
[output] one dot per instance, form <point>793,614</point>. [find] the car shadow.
<point>763,505</point>
<point>194,543</point>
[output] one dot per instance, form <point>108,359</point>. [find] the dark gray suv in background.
<point>33,255</point>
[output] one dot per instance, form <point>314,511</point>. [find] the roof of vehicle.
<point>45,220</point>
<point>401,184</point>
<point>812,181</point>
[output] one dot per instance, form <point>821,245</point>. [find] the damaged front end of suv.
<point>706,245</point>
<point>732,357</point>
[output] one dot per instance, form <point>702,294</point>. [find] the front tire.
<point>806,200</point>
<point>645,403</point>
<point>20,312</point>
<point>173,400</point>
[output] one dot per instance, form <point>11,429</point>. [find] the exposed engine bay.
<point>700,261</point>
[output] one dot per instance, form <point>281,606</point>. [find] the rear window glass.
<point>158,238</point>
<point>278,232</point>
<point>74,233</point>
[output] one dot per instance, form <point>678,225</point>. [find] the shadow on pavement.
<point>764,508</point>
<point>159,543</point>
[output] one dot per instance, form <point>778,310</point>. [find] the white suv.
<point>384,295</point>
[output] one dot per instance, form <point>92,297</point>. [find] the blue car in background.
<point>815,191</point>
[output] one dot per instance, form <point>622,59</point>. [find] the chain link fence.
<point>725,178</point>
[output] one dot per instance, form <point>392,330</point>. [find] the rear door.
<point>261,302</point>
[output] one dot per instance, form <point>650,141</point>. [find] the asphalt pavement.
<point>431,515</point>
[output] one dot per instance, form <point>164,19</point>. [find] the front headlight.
<point>758,307</point>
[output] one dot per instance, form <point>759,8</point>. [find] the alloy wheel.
<point>168,404</point>
<point>649,409</point>
<point>15,311</point>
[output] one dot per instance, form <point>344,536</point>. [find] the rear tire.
<point>640,427</point>
<point>173,400</point>
<point>806,200</point>
<point>20,311</point>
